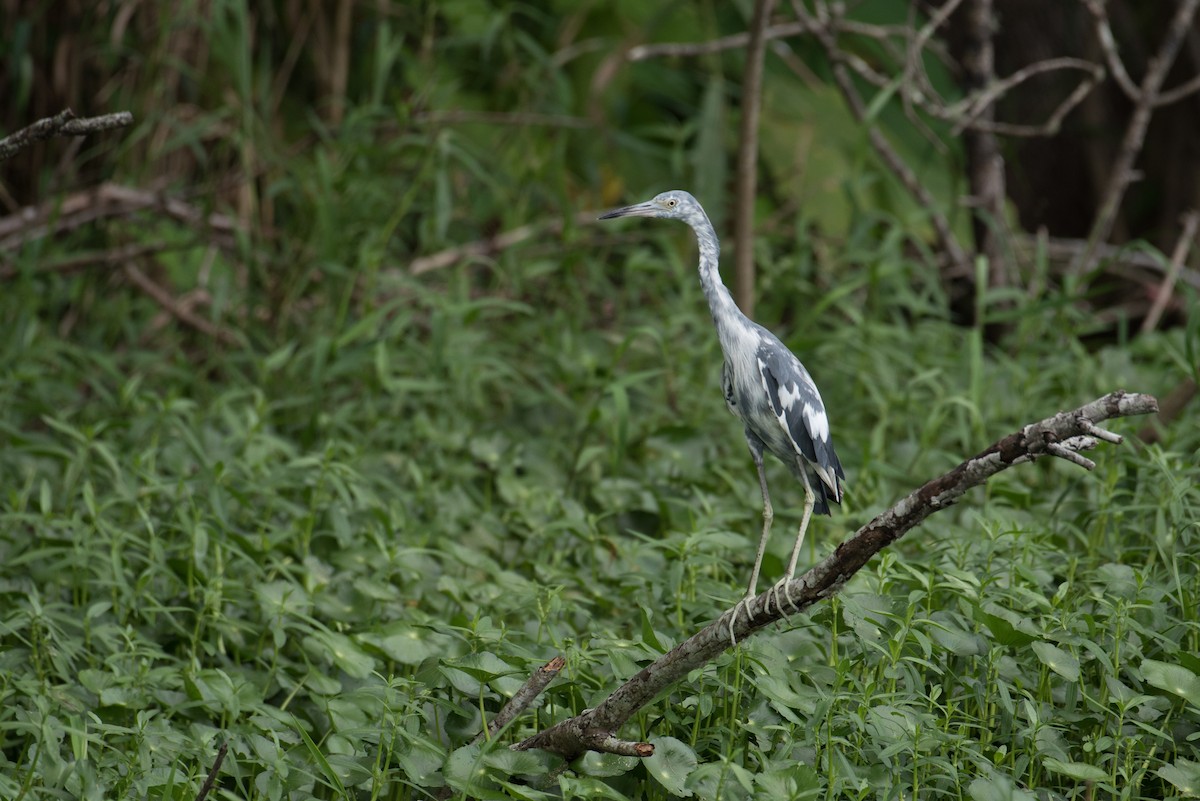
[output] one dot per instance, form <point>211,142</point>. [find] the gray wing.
<point>797,406</point>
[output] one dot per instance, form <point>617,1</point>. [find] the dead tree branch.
<point>108,201</point>
<point>64,123</point>
<point>747,159</point>
<point>1146,98</point>
<point>495,244</point>
<point>1062,435</point>
<point>1167,289</point>
<point>178,309</point>
<point>824,32</point>
<point>522,698</point>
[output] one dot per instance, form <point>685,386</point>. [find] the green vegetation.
<point>341,543</point>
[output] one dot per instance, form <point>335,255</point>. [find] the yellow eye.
<point>671,203</point>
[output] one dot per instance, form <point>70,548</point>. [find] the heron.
<point>766,387</point>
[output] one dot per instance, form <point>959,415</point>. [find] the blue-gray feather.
<point>764,384</point>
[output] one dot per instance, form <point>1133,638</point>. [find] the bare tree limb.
<point>1146,98</point>
<point>106,257</point>
<point>972,32</point>
<point>64,123</point>
<point>212,773</point>
<point>1178,257</point>
<point>824,33</point>
<point>1124,259</point>
<point>747,159</point>
<point>595,729</point>
<point>177,309</point>
<point>1108,46</point>
<point>522,698</point>
<point>495,244</point>
<point>107,201</point>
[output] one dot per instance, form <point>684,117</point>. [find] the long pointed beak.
<point>647,209</point>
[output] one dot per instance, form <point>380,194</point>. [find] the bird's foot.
<point>743,604</point>
<point>781,586</point>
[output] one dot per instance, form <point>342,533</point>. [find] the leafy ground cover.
<point>340,555</point>
<point>339,544</point>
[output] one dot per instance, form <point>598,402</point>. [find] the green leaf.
<point>998,788</point>
<point>342,651</point>
<point>594,763</point>
<point>422,761</point>
<point>673,761</point>
<point>1076,770</point>
<point>1173,678</point>
<point>1184,774</point>
<point>1057,660</point>
<point>1006,627</point>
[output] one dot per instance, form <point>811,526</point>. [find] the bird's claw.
<point>742,604</point>
<point>780,586</point>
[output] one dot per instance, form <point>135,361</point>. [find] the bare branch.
<point>107,201</point>
<point>520,118</point>
<point>1148,94</point>
<point>212,773</point>
<point>106,257</point>
<point>495,244</point>
<point>1178,256</point>
<point>747,160</point>
<point>824,33</point>
<point>733,42</point>
<point>522,698</point>
<point>177,309</point>
<point>1108,45</point>
<point>972,32</point>
<point>1067,452</point>
<point>964,114</point>
<point>65,123</point>
<point>1065,431</point>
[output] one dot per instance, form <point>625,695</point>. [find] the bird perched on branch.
<point>765,386</point>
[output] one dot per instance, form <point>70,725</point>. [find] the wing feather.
<point>797,406</point>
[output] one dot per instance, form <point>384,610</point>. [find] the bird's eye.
<point>671,203</point>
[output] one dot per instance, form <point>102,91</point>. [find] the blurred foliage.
<point>340,545</point>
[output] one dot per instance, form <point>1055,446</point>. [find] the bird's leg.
<point>810,499</point>
<point>768,516</point>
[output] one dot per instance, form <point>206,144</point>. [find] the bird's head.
<point>674,205</point>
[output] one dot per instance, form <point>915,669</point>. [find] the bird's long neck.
<point>720,302</point>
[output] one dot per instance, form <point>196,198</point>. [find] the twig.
<point>1124,259</point>
<point>1146,98</point>
<point>733,42</point>
<point>175,308</point>
<point>1108,46</point>
<point>593,729</point>
<point>64,123</point>
<point>522,698</point>
<point>522,118</point>
<point>1178,257</point>
<point>494,244</point>
<point>945,234</point>
<point>104,202</point>
<point>107,257</point>
<point>747,159</point>
<point>212,773</point>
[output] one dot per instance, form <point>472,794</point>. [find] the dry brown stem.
<point>1167,289</point>
<point>107,201</point>
<point>1146,97</point>
<point>65,123</point>
<point>747,159</point>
